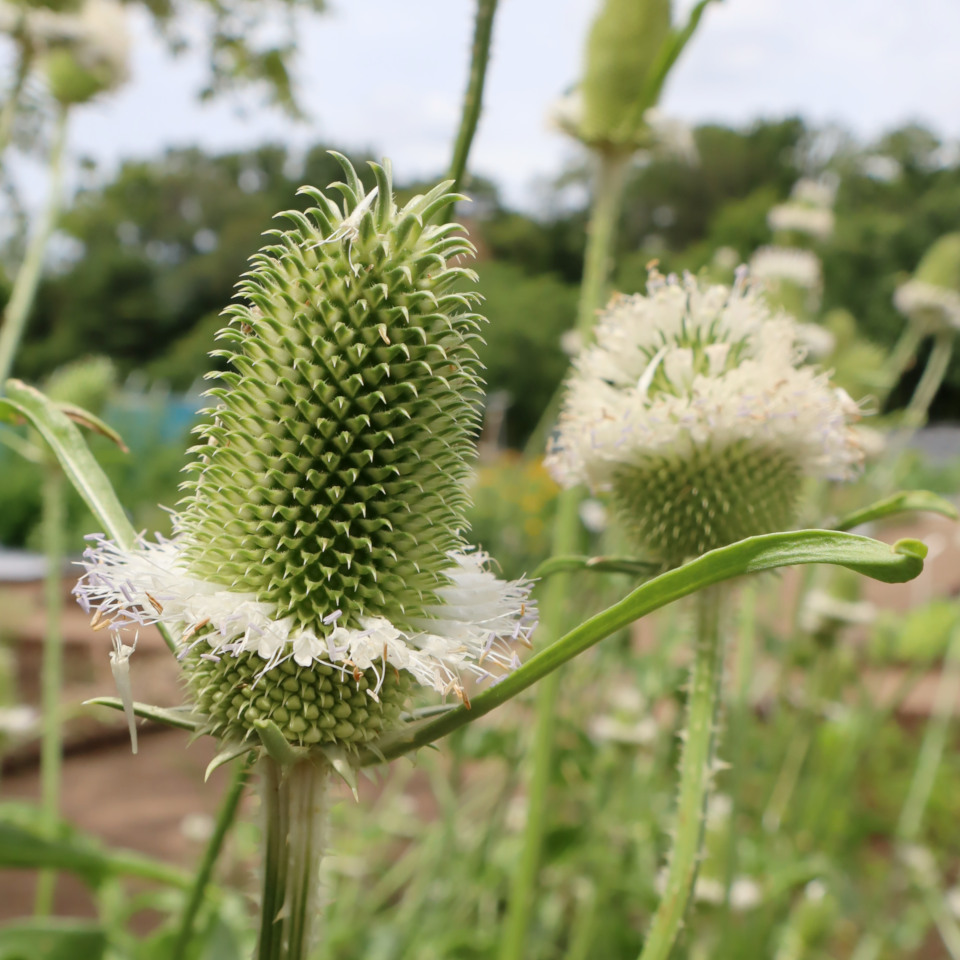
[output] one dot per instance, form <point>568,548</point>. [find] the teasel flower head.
<point>796,221</point>
<point>931,298</point>
<point>318,564</point>
<point>694,409</point>
<point>84,51</point>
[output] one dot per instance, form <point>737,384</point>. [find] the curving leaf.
<point>229,753</point>
<point>52,938</point>
<point>92,422</point>
<point>27,843</point>
<point>75,457</point>
<point>78,464</point>
<point>891,564</point>
<point>182,718</point>
<point>906,501</point>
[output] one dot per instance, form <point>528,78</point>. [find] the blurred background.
<point>172,171</point>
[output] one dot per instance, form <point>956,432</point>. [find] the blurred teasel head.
<point>931,298</point>
<point>621,55</point>
<point>694,410</point>
<point>318,564</point>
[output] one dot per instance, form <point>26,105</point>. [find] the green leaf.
<point>25,843</point>
<point>906,501</point>
<point>92,422</point>
<point>891,564</point>
<point>667,56</point>
<point>629,565</point>
<point>78,463</point>
<point>343,767</point>
<point>75,457</point>
<point>229,753</point>
<point>52,938</point>
<point>183,718</point>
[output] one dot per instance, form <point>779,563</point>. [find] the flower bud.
<point>623,45</point>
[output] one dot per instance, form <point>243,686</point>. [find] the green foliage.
<point>917,636</point>
<point>514,502</point>
<point>523,356</point>
<point>54,939</point>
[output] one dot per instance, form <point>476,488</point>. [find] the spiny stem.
<point>696,774</point>
<point>295,814</point>
<point>473,98</point>
<point>225,818</point>
<point>28,276</point>
<point>611,174</point>
<point>51,748</point>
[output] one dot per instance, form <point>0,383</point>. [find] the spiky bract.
<point>315,705</point>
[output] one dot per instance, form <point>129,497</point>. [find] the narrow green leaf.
<point>672,47</point>
<point>226,755</point>
<point>180,717</point>
<point>75,457</point>
<point>78,463</point>
<point>891,564</point>
<point>906,501</point>
<point>343,768</point>
<point>52,938</point>
<point>92,422</point>
<point>26,843</point>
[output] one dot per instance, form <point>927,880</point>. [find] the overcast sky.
<point>389,75</point>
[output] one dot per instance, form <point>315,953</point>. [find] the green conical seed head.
<point>681,507</point>
<point>332,476</point>
<point>312,706</point>
<point>940,266</point>
<point>623,45</point>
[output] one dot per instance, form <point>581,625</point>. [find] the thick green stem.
<point>696,775</point>
<point>28,276</point>
<point>225,818</point>
<point>916,413</point>
<point>51,749</point>
<point>294,828</point>
<point>900,358</point>
<point>473,98</point>
<point>611,174</point>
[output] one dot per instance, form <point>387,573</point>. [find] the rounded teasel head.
<point>694,410</point>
